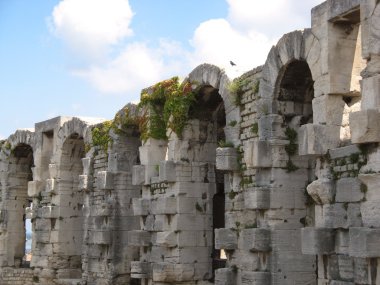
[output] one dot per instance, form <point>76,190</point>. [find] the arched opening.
<point>69,225</point>
<point>295,93</point>
<point>210,111</point>
<point>19,204</point>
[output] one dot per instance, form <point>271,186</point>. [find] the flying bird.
<point>232,63</point>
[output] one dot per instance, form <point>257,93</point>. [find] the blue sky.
<point>91,57</point>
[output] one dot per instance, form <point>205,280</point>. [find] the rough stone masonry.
<point>272,178</point>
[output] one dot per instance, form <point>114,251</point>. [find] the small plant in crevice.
<point>290,166</point>
<point>256,87</point>
<point>354,158</point>
<point>255,128</point>
<point>236,88</point>
<point>232,123</point>
<point>291,148</point>
<point>232,195</point>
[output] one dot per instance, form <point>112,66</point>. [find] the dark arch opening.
<point>210,108</point>
<point>20,232</point>
<point>295,92</point>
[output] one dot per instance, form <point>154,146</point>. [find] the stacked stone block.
<point>297,171</point>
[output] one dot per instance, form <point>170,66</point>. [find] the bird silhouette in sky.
<point>232,63</point>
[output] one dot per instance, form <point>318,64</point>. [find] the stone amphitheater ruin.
<point>272,178</point>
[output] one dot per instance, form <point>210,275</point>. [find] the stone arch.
<point>22,137</point>
<point>295,46</point>
<point>17,204</point>
<point>210,75</point>
<point>68,227</point>
<point>294,92</point>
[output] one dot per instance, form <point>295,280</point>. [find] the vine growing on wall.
<point>100,135</point>
<point>166,104</point>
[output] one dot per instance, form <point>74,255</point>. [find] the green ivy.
<point>100,135</point>
<point>166,105</point>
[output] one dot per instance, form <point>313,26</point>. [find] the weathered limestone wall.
<point>274,179</point>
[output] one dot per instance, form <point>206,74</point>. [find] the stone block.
<point>370,92</point>
<point>226,239</point>
<point>169,272</point>
<point>348,190</point>
<point>84,183</point>
<point>138,175</point>
<point>225,276</point>
<point>87,163</point>
<point>270,127</point>
<point>317,241</point>
<point>328,109</point>
<point>166,239</point>
<point>226,159</point>
<point>322,191</point>
<point>140,206</point>
<point>370,212</point>
<point>370,12</point>
<point>167,171</point>
<point>35,188</point>
<point>337,8</point>
<point>372,181</point>
<point>53,170</point>
<point>364,126</point>
<point>152,152</point>
<point>340,267</point>
<point>257,198</point>
<point>257,154</point>
<point>341,242</point>
<point>139,238</point>
<point>140,270</point>
<point>50,212</point>
<point>104,180</point>
<point>255,278</point>
<point>331,216</point>
<point>102,210</point>
<point>164,205</point>
<point>256,240</point>
<point>50,186</point>
<point>364,242</point>
<point>317,139</point>
<point>99,237</point>
<point>343,151</point>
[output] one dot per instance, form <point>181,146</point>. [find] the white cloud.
<point>271,17</point>
<point>245,36</point>
<point>89,27</point>
<point>249,31</point>
<point>217,42</point>
<point>136,67</point>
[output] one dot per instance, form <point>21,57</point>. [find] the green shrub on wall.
<point>166,104</point>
